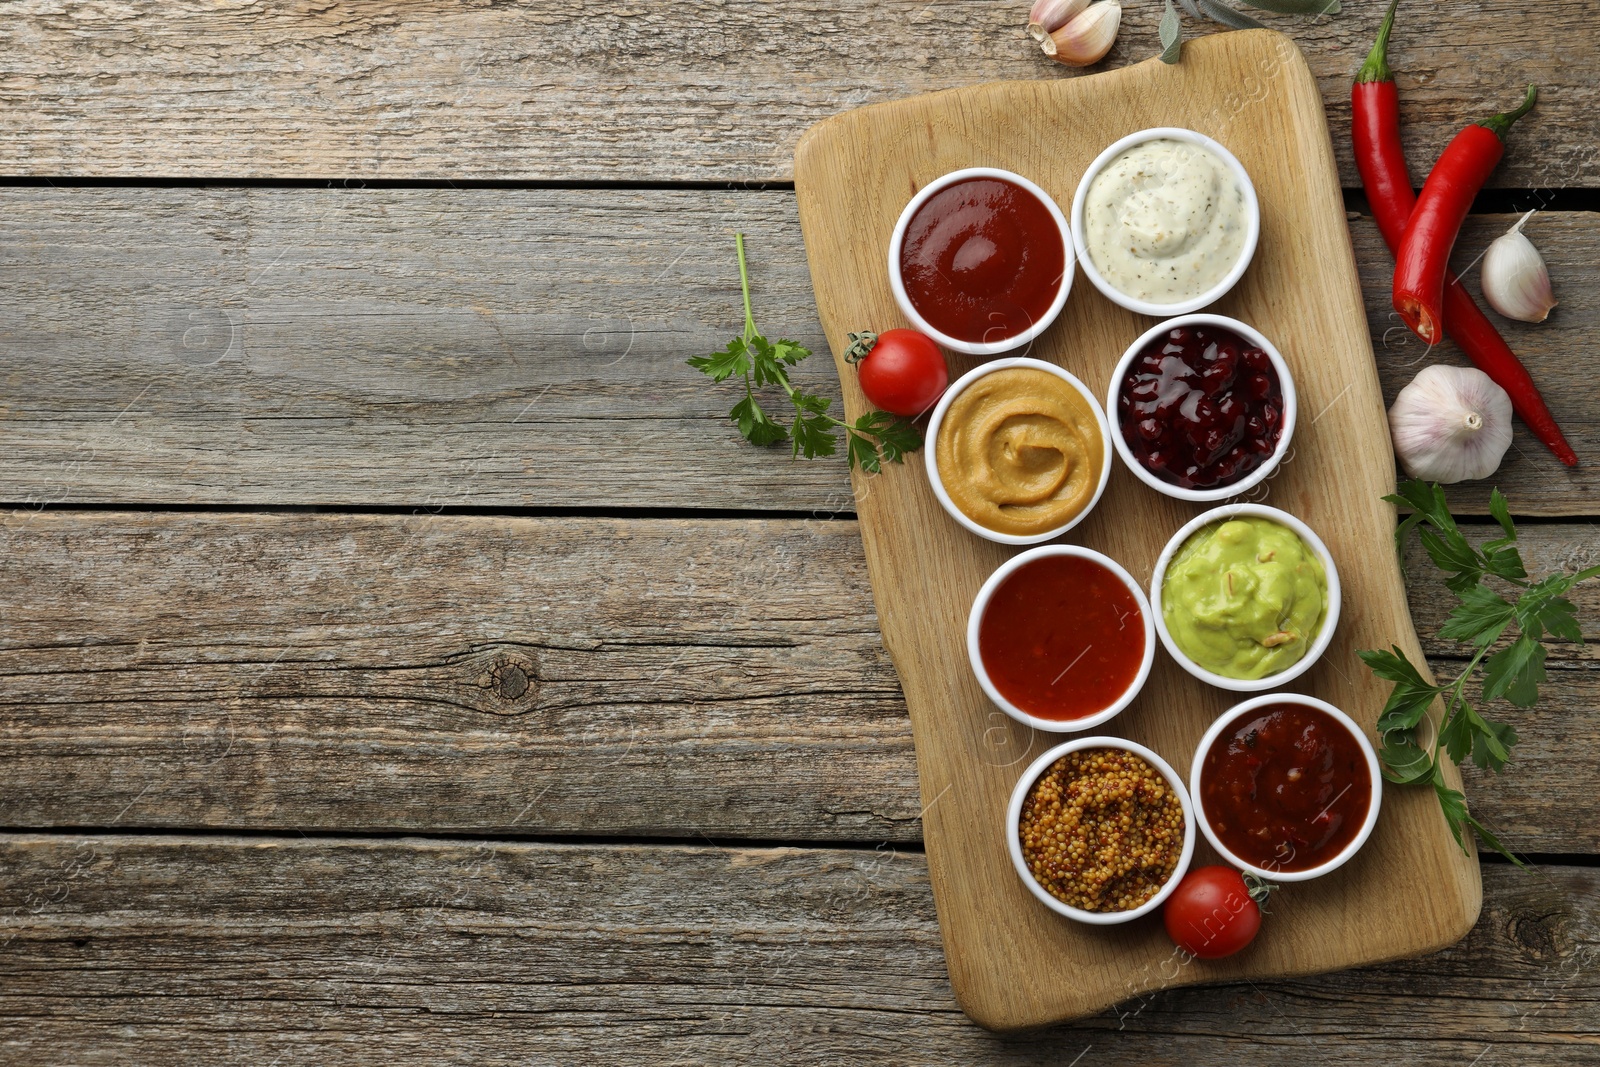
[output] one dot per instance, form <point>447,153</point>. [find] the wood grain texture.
<point>412,347</point>
<point>259,950</point>
<point>366,673</point>
<point>699,89</point>
<point>447,673</point>
<point>420,348</point>
<point>1014,963</point>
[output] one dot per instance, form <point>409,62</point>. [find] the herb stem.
<point>1511,670</point>
<point>811,431</point>
<point>744,287</point>
<point>1456,699</point>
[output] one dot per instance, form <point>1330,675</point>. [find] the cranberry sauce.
<point>1201,407</point>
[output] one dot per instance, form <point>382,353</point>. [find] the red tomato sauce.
<point>1062,638</point>
<point>982,260</point>
<point>1285,787</point>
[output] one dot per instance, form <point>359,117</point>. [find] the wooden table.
<point>401,657</point>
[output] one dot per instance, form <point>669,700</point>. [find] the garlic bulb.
<point>1515,281</point>
<point>1087,37</point>
<point>1049,16</point>
<point>1451,424</point>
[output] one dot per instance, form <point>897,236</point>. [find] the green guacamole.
<point>1245,598</point>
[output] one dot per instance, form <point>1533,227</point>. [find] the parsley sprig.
<point>872,438</point>
<point>1482,617</point>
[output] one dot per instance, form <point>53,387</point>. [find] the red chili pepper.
<point>1375,129</point>
<point>1440,210</point>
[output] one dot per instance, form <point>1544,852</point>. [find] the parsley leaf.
<point>1500,556</point>
<point>1453,554</point>
<point>813,436</point>
<point>1501,511</point>
<point>1454,804</point>
<point>721,366</point>
<point>1544,609</point>
<point>1411,695</point>
<point>1515,672</point>
<point>753,423</point>
<point>1402,760</point>
<point>789,352</point>
<point>1491,749</point>
<point>1482,618</point>
<point>875,436</point>
<point>896,436</point>
<point>1456,815</point>
<point>862,452</point>
<point>1426,503</point>
<point>1469,734</point>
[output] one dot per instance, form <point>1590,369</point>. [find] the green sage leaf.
<point>1171,31</point>
<point>1217,11</point>
<point>1296,7</point>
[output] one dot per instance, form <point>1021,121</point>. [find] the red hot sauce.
<point>1062,638</point>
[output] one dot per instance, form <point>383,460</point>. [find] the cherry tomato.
<point>1213,913</point>
<point>901,371</point>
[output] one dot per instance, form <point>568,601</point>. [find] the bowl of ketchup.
<point>979,261</point>
<point>1061,638</point>
<point>1286,787</point>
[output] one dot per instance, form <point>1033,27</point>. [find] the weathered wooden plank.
<point>699,89</point>
<point>492,347</point>
<point>571,676</point>
<point>411,347</point>
<point>578,676</point>
<point>219,949</point>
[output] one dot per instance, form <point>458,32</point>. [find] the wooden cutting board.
<point>1013,963</point>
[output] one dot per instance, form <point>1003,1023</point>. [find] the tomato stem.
<point>860,345</point>
<point>1258,888</point>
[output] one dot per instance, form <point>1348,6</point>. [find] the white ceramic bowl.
<point>1319,644</point>
<point>1240,710</point>
<point>897,283</point>
<point>1014,838</point>
<point>981,604</point>
<point>1291,407</point>
<point>1252,208</point>
<point>931,449</point>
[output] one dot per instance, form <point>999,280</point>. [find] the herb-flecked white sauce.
<point>1165,221</point>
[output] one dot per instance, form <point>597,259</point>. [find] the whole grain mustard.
<point>1101,830</point>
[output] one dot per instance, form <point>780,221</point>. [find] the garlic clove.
<point>1087,37</point>
<point>1048,16</point>
<point>1515,280</point>
<point>1451,424</point>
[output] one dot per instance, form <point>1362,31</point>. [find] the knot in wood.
<point>510,680</point>
<point>1539,936</point>
<point>507,683</point>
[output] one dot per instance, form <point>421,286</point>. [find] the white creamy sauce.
<point>1165,221</point>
